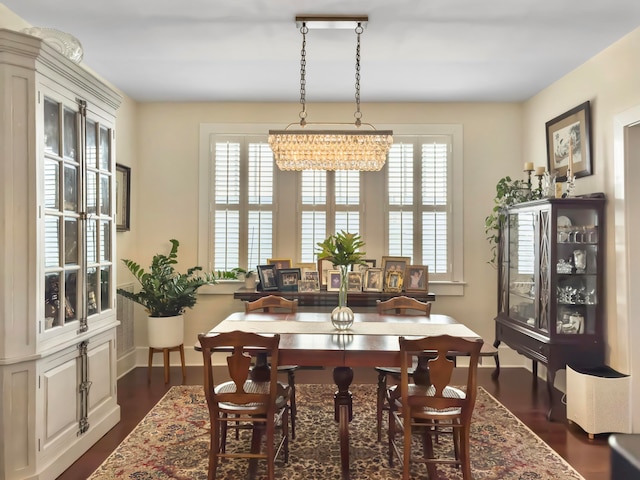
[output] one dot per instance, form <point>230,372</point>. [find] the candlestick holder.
<point>529,172</point>
<point>571,185</point>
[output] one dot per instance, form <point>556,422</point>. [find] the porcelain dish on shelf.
<point>564,221</point>
<point>63,42</point>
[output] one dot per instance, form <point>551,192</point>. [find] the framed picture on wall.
<point>123,192</point>
<point>569,140</point>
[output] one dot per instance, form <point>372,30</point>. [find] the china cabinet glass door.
<point>522,267</point>
<point>577,271</point>
<point>77,215</point>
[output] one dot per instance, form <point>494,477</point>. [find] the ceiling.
<point>412,50</point>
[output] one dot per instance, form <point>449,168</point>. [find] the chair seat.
<point>251,387</point>
<point>448,392</point>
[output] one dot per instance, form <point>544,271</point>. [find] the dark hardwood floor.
<point>515,388</point>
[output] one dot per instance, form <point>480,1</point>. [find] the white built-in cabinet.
<point>57,249</point>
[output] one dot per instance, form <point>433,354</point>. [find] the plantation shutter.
<point>314,212</point>
<point>243,203</point>
<point>435,204</point>
<point>400,167</point>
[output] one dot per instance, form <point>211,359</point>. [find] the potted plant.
<point>166,294</point>
<point>342,249</point>
<point>508,192</point>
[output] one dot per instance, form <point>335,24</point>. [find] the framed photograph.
<point>372,280</point>
<point>323,270</point>
<point>306,267</point>
<point>417,278</point>
<point>279,262</point>
<point>267,276</point>
<point>123,202</point>
<point>312,276</point>
<point>288,279</point>
<point>393,264</point>
<point>354,281</point>
<point>393,281</point>
<point>368,263</point>
<point>307,286</point>
<point>333,280</point>
<point>569,139</point>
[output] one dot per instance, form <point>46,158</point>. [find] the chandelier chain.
<point>303,74</point>
<point>358,114</point>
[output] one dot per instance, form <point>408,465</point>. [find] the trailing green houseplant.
<point>165,292</point>
<point>508,192</point>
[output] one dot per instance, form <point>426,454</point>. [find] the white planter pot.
<point>165,332</point>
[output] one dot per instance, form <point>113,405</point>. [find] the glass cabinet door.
<point>77,215</point>
<point>522,267</point>
<point>62,187</point>
<point>577,271</point>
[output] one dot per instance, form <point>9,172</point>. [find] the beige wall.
<point>167,179</point>
<point>610,81</point>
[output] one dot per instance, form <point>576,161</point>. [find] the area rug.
<point>172,442</point>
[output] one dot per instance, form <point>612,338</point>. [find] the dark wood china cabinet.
<point>550,284</point>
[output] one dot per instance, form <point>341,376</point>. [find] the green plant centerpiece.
<point>342,249</point>
<point>508,192</point>
<point>165,292</point>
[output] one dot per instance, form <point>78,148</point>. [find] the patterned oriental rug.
<point>172,442</point>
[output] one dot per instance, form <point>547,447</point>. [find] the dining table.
<point>309,339</point>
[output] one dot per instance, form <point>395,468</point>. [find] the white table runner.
<point>359,328</point>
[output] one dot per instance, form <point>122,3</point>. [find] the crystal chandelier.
<point>330,149</point>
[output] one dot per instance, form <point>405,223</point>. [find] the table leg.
<point>261,372</point>
<point>343,405</point>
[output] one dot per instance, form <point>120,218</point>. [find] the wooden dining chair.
<point>401,305</point>
<point>276,303</point>
<point>435,409</point>
<point>260,405</point>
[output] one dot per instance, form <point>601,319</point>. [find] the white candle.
<point>570,168</point>
<point>539,171</point>
<point>528,166</point>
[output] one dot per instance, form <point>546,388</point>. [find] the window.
<point>321,216</point>
<point>251,211</point>
<point>243,211</point>
<point>419,202</point>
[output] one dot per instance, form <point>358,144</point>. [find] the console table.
<point>324,298</point>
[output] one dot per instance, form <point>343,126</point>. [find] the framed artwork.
<point>287,279</point>
<point>354,281</point>
<point>123,202</point>
<point>333,280</point>
<point>307,286</point>
<point>569,141</point>
<point>368,263</point>
<point>312,276</point>
<point>393,281</point>
<point>306,267</point>
<point>267,276</point>
<point>323,270</point>
<point>393,264</point>
<point>279,262</point>
<point>417,278</point>
<point>372,280</point>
